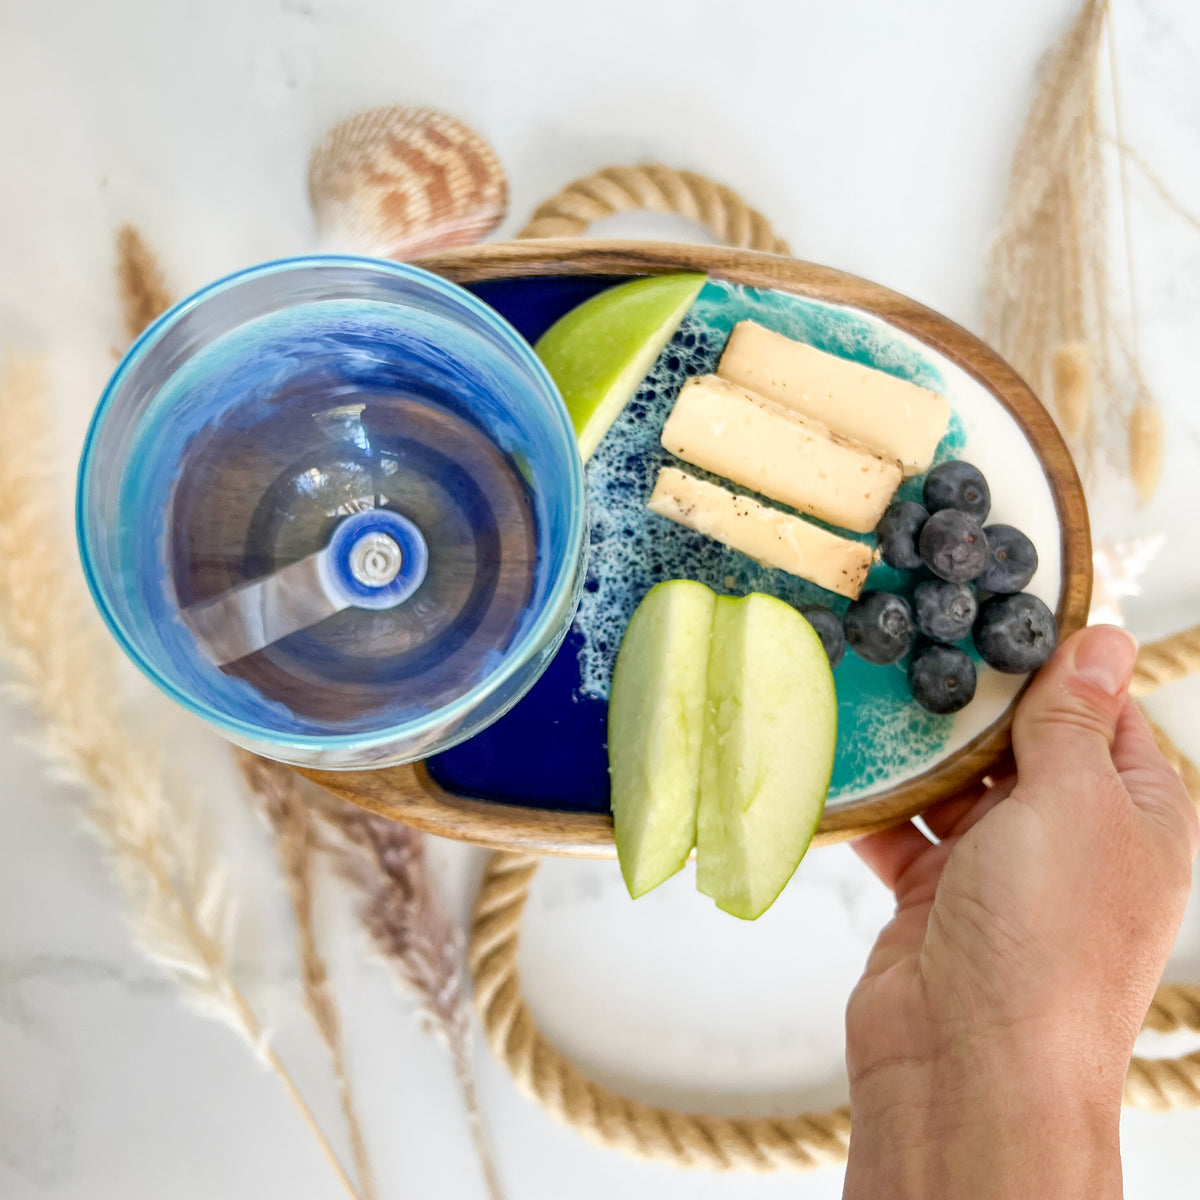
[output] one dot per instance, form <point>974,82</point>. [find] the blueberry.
<point>953,546</point>
<point>958,485</point>
<point>945,611</point>
<point>879,627</point>
<point>1015,634</point>
<point>942,678</point>
<point>1012,560</point>
<point>898,531</point>
<point>829,629</point>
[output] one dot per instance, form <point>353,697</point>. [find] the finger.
<point>1152,783</point>
<point>1134,748</point>
<point>1065,725</point>
<point>953,818</point>
<point>891,852</point>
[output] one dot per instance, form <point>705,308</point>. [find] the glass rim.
<point>515,658</point>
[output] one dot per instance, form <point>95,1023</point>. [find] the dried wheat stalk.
<point>179,912</point>
<point>1047,300</point>
<point>411,930</point>
<point>1146,449</point>
<point>140,284</point>
<point>1144,428</point>
<point>277,792</point>
<point>1071,372</point>
<point>1158,186</point>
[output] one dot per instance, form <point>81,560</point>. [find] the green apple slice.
<point>655,728</point>
<point>601,351</point>
<point>768,747</point>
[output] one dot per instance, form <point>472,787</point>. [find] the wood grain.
<point>408,793</point>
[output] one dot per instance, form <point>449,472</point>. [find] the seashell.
<point>399,182</point>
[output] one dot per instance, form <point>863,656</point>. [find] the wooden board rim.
<point>409,793</point>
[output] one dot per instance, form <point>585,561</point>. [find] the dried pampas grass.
<point>140,284</point>
<point>407,924</point>
<point>1048,306</point>
<point>179,911</point>
<point>1048,270</point>
<point>385,862</point>
<point>276,791</point>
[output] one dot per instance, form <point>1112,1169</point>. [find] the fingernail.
<point>1105,656</point>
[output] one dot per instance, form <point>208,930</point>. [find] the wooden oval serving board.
<point>411,794</point>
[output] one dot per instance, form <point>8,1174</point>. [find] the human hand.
<point>992,1027</point>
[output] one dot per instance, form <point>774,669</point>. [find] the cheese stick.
<point>766,448</point>
<point>771,537</point>
<point>894,417</point>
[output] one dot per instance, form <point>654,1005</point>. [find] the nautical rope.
<point>626,189</point>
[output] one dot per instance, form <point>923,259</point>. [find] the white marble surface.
<point>878,136</point>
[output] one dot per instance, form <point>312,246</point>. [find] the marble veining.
<point>109,1089</point>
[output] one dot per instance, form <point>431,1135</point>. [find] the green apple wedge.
<point>601,350</point>
<point>768,747</point>
<point>655,727</point>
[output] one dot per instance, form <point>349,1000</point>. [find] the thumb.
<point>1066,723</point>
